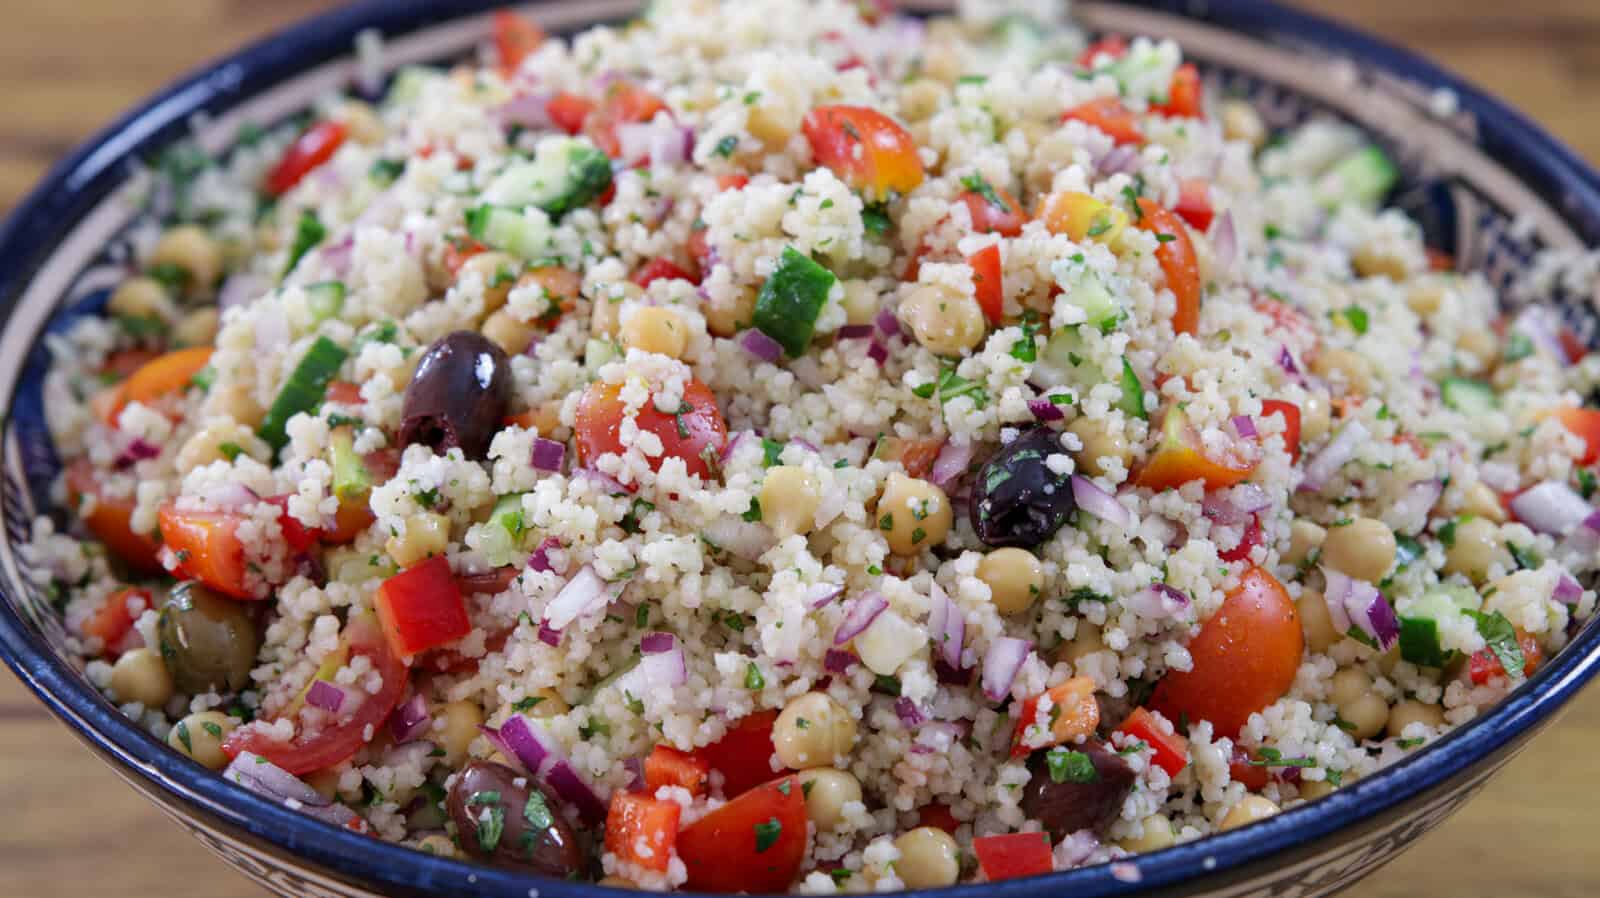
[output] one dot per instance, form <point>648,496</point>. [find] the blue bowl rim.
<point>1547,166</point>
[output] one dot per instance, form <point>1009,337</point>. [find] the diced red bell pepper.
<point>1184,94</point>
<point>569,111</point>
<point>515,39</point>
<point>661,269</point>
<point>1110,117</point>
<point>754,843</point>
<point>1013,855</point>
<point>1111,45</point>
<point>1171,750</point>
<point>1291,424</point>
<point>666,766</point>
<point>205,546</point>
<point>624,103</point>
<point>1572,347</point>
<point>1247,542</point>
<point>421,608</point>
<point>316,146</point>
<point>986,282</point>
<point>113,621</point>
<point>1194,203</point>
<point>1485,664</point>
<point>743,755</point>
<point>939,817</point>
<point>1073,714</point>
<point>642,830</point>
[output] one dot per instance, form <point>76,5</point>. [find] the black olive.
<point>1019,500</point>
<point>458,395</point>
<point>511,825</point>
<point>1082,799</point>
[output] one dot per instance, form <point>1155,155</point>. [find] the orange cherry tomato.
<point>205,546</point>
<point>986,281</point>
<point>1005,217</point>
<point>316,146</point>
<point>666,766</point>
<point>1074,714</point>
<point>1184,94</point>
<point>744,753</point>
<point>1178,263</point>
<point>1171,750</point>
<point>754,843</point>
<point>696,431</point>
<point>1109,116</point>
<point>163,375</point>
<point>1181,457</point>
<point>1245,658</point>
<point>1584,423</point>
<point>569,111</point>
<point>113,621</point>
<point>865,148</point>
<point>308,751</point>
<point>515,39</point>
<point>624,103</point>
<point>1291,424</point>
<point>124,362</point>
<point>111,520</point>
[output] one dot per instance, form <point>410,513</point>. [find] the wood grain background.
<point>68,66</point>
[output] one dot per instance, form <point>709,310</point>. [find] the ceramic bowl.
<point>1472,169</point>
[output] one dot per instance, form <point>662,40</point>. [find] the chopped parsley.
<point>875,218</point>
<point>1447,534</point>
<point>386,171</point>
<point>630,522</point>
<point>726,146</point>
<point>1518,347</point>
<point>1068,766</point>
<point>767,834</point>
<point>308,232</point>
<point>1527,559</point>
<point>1355,317</point>
<point>1271,757</point>
<point>527,704</point>
<point>427,498</point>
<point>979,185</point>
<point>753,678</point>
<point>537,811</point>
<point>491,822</point>
<point>951,385</point>
<point>886,684</point>
<point>753,513</point>
<point>771,453</point>
<point>183,736</point>
<point>230,451</point>
<point>1502,640</point>
<point>1410,743</point>
<point>1586,482</point>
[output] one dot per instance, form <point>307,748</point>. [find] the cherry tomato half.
<point>865,148</point>
<point>316,146</point>
<point>690,434</point>
<point>1178,262</point>
<point>111,519</point>
<point>754,843</point>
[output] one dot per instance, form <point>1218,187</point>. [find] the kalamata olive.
<point>511,825</point>
<point>1020,501</point>
<point>208,641</point>
<point>458,395</point>
<point>1067,795</point>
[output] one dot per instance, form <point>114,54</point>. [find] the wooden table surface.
<point>68,66</point>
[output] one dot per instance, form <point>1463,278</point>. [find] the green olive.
<point>209,642</point>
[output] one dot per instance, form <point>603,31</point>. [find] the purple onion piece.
<point>1334,456</point>
<point>1244,427</point>
<point>540,559</point>
<point>822,595</point>
<point>947,626</point>
<point>1224,240</point>
<point>567,784</point>
<point>877,352</point>
<point>548,454</point>
<point>549,635</point>
<point>863,611</point>
<point>409,720</point>
<point>887,323</point>
<point>1045,410</point>
<point>1551,507</point>
<point>1001,663</point>
<point>1286,361</point>
<point>854,332</point>
<point>951,675</point>
<point>656,643</point>
<point>951,463</point>
<point>760,345</point>
<point>635,768</point>
<point>325,695</point>
<point>836,661</point>
<point>909,713</point>
<point>1100,503</point>
<point>528,744</point>
<point>1568,591</point>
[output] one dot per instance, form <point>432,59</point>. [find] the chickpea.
<point>769,126</point>
<point>1311,790</point>
<point>190,249</point>
<point>498,271</point>
<point>1157,835</point>
<point>920,99</point>
<point>1480,343</point>
<point>1363,549</point>
<point>508,332</point>
<point>726,317</point>
<point>1366,715</point>
<point>224,440</point>
<point>1085,641</point>
<point>1015,579</point>
<point>606,315</point>
<point>141,297</point>
<point>425,534</point>
<point>827,791</point>
<point>441,846</point>
<point>235,401</point>
<point>362,122</point>
<point>141,676</point>
<point>1304,538</point>
<point>944,321</point>
<point>1476,548</point>
<point>1316,621</point>
<point>812,731</point>
<point>1348,684</point>
<point>457,725</point>
<point>656,329</point>
<point>1388,660</point>
<point>1240,121</point>
<point>1099,443</point>
<point>200,737</point>
<point>1345,367</point>
<point>789,498</point>
<point>860,302</point>
<point>198,328</point>
<point>1481,502</point>
<point>1411,711</point>
<point>1316,417</point>
<point>928,858</point>
<point>1425,299</point>
<point>1250,809</point>
<point>913,514</point>
<point>1377,261</point>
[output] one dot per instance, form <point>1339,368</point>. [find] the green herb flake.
<point>1502,640</point>
<point>726,146</point>
<point>753,678</point>
<point>1068,766</point>
<point>978,184</point>
<point>875,218</point>
<point>308,232</point>
<point>767,834</point>
<point>230,451</point>
<point>527,704</point>
<point>1268,756</point>
<point>183,736</point>
<point>537,811</point>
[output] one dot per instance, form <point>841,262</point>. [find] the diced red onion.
<point>567,784</point>
<point>137,451</point>
<point>1286,361</point>
<point>1235,505</point>
<point>540,559</point>
<point>739,436</point>
<point>1001,664</point>
<point>1338,590</point>
<point>1244,427</point>
<point>408,721</point>
<point>745,539</point>
<point>239,289</point>
<point>1334,456</point>
<point>586,592</point>
<point>887,323</point>
<point>1551,507</point>
<point>1121,160</point>
<point>1375,617</point>
<point>605,481</point>
<point>668,667</point>
<point>1568,591</point>
<point>951,676</point>
<point>549,635</point>
<point>909,713</point>
<point>863,611</point>
<point>547,455</point>
<point>1157,601</point>
<point>758,344</point>
<point>947,626</point>
<point>230,495</point>
<point>1499,476</point>
<point>325,695</point>
<point>1538,324</point>
<point>655,643</point>
<point>1100,503</point>
<point>530,111</point>
<point>854,332</point>
<point>336,815</point>
<point>529,744</point>
<point>1418,500</point>
<point>836,661</point>
<point>1045,410</point>
<point>1224,240</point>
<point>877,352</point>
<point>337,254</point>
<point>952,462</point>
<point>635,768</point>
<point>267,779</point>
<point>822,595</point>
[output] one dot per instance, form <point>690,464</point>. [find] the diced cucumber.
<point>1364,177</point>
<point>1086,291</point>
<point>303,391</point>
<point>564,174</point>
<point>1422,617</point>
<point>1469,397</point>
<point>596,353</point>
<point>507,515</point>
<point>308,232</point>
<point>1132,402</point>
<point>351,478</point>
<point>526,234</point>
<point>325,300</point>
<point>1062,353</point>
<point>500,539</point>
<point>791,299</point>
<point>1419,642</point>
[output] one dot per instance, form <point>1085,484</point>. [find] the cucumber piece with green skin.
<point>791,299</point>
<point>351,478</point>
<point>500,540</point>
<point>598,352</point>
<point>325,300</point>
<point>1084,290</point>
<point>1059,358</point>
<point>565,174</point>
<point>1132,403</point>
<point>508,514</point>
<point>1470,397</point>
<point>1420,641</point>
<point>1363,177</point>
<point>303,391</point>
<point>526,234</point>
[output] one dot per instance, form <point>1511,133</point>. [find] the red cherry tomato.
<point>754,843</point>
<point>205,546</point>
<point>1111,45</point>
<point>624,103</point>
<point>515,39</point>
<point>1171,749</point>
<point>1194,203</point>
<point>865,148</point>
<point>335,742</point>
<point>666,766</point>
<point>744,754</point>
<point>1109,116</point>
<point>111,520</point>
<point>996,212</point>
<point>113,621</point>
<point>662,269</point>
<point>1178,263</point>
<point>697,430</point>
<point>1254,776</point>
<point>457,250</point>
<point>939,817</point>
<point>1245,658</point>
<point>569,111</point>
<point>1584,423</point>
<point>1291,424</point>
<point>1013,855</point>
<point>316,146</point>
<point>641,830</point>
<point>986,280</point>
<point>1247,542</point>
<point>1184,94</point>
